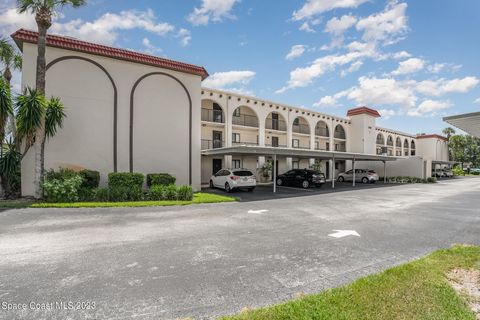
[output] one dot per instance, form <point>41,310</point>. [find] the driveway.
<point>208,260</point>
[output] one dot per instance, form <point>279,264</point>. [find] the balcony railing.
<point>212,115</point>
<point>274,124</point>
<point>238,143</point>
<point>321,149</point>
<point>321,132</point>
<point>212,144</point>
<point>245,120</point>
<point>340,148</point>
<point>301,128</point>
<point>276,145</point>
<point>301,146</point>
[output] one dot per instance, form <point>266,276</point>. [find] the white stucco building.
<point>128,111</point>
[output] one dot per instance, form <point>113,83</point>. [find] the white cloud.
<point>429,107</point>
<point>150,48</point>
<point>387,113</point>
<point>296,51</point>
<point>11,20</point>
<point>443,86</point>
<point>477,101</point>
<point>185,36</point>
<point>436,67</point>
<point>212,10</point>
<point>401,55</point>
<point>326,101</point>
<point>337,26</point>
<point>312,8</point>
<point>386,26</point>
<point>221,80</point>
<point>353,67</point>
<point>411,65</point>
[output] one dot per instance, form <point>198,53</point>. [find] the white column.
<point>228,161</point>
<point>311,161</point>
<point>261,132</point>
<point>289,163</point>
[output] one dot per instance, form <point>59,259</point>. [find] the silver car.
<point>361,175</point>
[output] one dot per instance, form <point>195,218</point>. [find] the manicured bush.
<point>162,179</point>
<point>62,190</point>
<point>125,179</point>
<point>170,192</point>
<point>101,194</point>
<point>185,193</point>
<point>91,179</point>
<point>431,180</point>
<point>121,193</point>
<point>86,194</point>
<point>60,174</point>
<point>156,192</point>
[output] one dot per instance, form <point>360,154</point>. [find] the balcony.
<point>301,128</point>
<point>275,124</point>
<point>212,144</point>
<point>245,120</point>
<point>244,143</point>
<point>340,148</point>
<point>211,115</point>
<point>321,132</point>
<point>276,145</point>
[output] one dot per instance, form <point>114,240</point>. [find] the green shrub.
<point>125,179</point>
<point>185,193</point>
<point>60,174</point>
<point>170,192</point>
<point>157,192</point>
<point>431,179</point>
<point>101,194</point>
<point>91,179</point>
<point>86,194</point>
<point>162,179</point>
<point>62,190</point>
<point>122,194</point>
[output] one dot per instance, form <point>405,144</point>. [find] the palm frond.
<point>5,107</point>
<point>54,117</point>
<point>30,108</point>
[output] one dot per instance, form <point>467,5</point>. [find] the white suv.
<point>230,179</point>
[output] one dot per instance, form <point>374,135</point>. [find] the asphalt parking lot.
<point>205,261</point>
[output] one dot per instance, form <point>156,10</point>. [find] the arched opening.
<point>412,148</point>
<point>390,145</point>
<point>245,126</point>
<point>301,133</point>
<point>405,147</point>
<point>322,134</point>
<point>380,144</point>
<point>398,147</point>
<point>212,112</point>
<point>380,139</point>
<point>213,125</point>
<point>340,138</point>
<point>276,130</point>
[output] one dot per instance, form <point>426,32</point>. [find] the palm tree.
<point>449,131</point>
<point>44,10</point>
<point>11,60</point>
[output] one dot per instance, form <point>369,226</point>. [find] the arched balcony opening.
<point>398,147</point>
<point>405,147</point>
<point>213,125</point>
<point>322,136</point>
<point>412,148</point>
<point>245,126</point>
<point>380,144</point>
<point>340,138</point>
<point>275,130</point>
<point>300,133</point>
<point>390,145</point>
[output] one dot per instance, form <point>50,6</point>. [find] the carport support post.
<point>384,171</point>
<point>332,169</point>
<point>353,170</point>
<point>274,173</point>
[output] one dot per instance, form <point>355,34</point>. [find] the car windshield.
<point>371,171</point>
<point>243,173</point>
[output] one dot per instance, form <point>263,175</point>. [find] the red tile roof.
<point>429,136</point>
<point>67,43</point>
<point>363,110</point>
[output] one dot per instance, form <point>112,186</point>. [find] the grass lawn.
<point>416,290</point>
<point>197,198</point>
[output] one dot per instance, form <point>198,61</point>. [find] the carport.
<point>301,153</point>
<point>435,163</point>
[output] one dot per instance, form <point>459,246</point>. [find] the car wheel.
<point>251,189</point>
<point>211,184</point>
<point>305,184</point>
<point>227,187</point>
<point>279,182</point>
<point>341,179</point>
<point>364,180</point>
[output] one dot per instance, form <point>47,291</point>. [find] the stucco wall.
<point>160,120</point>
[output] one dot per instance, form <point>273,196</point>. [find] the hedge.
<point>125,180</point>
<point>91,179</point>
<point>160,179</point>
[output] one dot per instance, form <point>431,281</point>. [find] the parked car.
<point>230,179</point>
<point>301,177</point>
<point>442,173</point>
<point>361,175</point>
<point>447,173</point>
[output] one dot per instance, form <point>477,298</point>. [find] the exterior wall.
<point>412,166</point>
<point>161,112</point>
<point>363,134</point>
<point>432,149</point>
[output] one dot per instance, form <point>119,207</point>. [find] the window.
<point>236,113</point>
<point>327,146</point>
<point>295,164</point>
<point>236,164</point>
<point>295,143</point>
<point>317,145</point>
<point>296,122</point>
<point>274,141</point>
<point>235,137</point>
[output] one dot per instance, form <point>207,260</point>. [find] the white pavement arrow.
<point>257,211</point>
<point>344,233</point>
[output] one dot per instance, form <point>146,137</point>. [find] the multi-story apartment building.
<point>129,111</point>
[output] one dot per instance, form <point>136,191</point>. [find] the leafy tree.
<point>449,131</point>
<point>44,10</point>
<point>465,149</point>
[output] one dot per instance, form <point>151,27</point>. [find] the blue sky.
<point>415,61</point>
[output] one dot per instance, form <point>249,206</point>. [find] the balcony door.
<point>275,121</point>
<point>274,141</point>
<point>217,139</point>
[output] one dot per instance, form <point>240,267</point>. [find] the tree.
<point>44,10</point>
<point>465,149</point>
<point>449,131</point>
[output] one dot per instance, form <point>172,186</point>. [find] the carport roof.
<point>301,153</point>
<point>468,122</point>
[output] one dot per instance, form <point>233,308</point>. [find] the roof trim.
<point>23,35</point>
<point>363,110</point>
<point>430,136</point>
